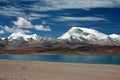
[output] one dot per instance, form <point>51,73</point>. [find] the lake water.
<point>94,59</point>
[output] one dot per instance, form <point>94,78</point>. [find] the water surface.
<point>94,59</point>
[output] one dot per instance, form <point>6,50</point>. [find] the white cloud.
<point>15,11</point>
<point>66,18</point>
<point>3,0</point>
<point>1,32</point>
<point>15,29</point>
<point>47,5</point>
<point>34,16</point>
<point>11,11</point>
<point>83,3</point>
<point>22,23</point>
<point>38,15</point>
<point>43,22</point>
<point>42,28</point>
<point>74,4</point>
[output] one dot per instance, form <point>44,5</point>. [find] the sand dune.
<point>33,70</point>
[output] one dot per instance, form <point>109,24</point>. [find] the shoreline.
<point>12,60</point>
<point>37,70</point>
<point>58,50</point>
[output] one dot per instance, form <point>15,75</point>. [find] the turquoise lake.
<point>93,59</point>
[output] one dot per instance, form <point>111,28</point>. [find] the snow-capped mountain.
<point>79,34</point>
<point>75,37</point>
<point>3,38</point>
<point>19,35</point>
<point>115,39</point>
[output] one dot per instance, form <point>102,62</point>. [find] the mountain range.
<point>76,40</point>
<point>91,36</point>
<point>74,37</point>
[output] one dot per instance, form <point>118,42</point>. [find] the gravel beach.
<point>35,70</point>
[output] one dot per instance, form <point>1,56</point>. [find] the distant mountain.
<point>115,39</point>
<point>91,36</point>
<point>22,40</point>
<point>73,38</point>
<point>19,35</point>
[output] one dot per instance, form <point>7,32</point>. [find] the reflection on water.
<point>97,59</point>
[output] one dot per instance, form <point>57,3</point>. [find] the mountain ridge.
<point>91,36</point>
<point>74,37</point>
<point>18,35</point>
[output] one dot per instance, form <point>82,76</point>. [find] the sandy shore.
<point>33,70</point>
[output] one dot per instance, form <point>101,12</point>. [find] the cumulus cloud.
<point>42,28</point>
<point>22,23</point>
<point>1,32</point>
<point>66,18</point>
<point>15,29</point>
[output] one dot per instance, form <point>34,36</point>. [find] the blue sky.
<point>54,17</point>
